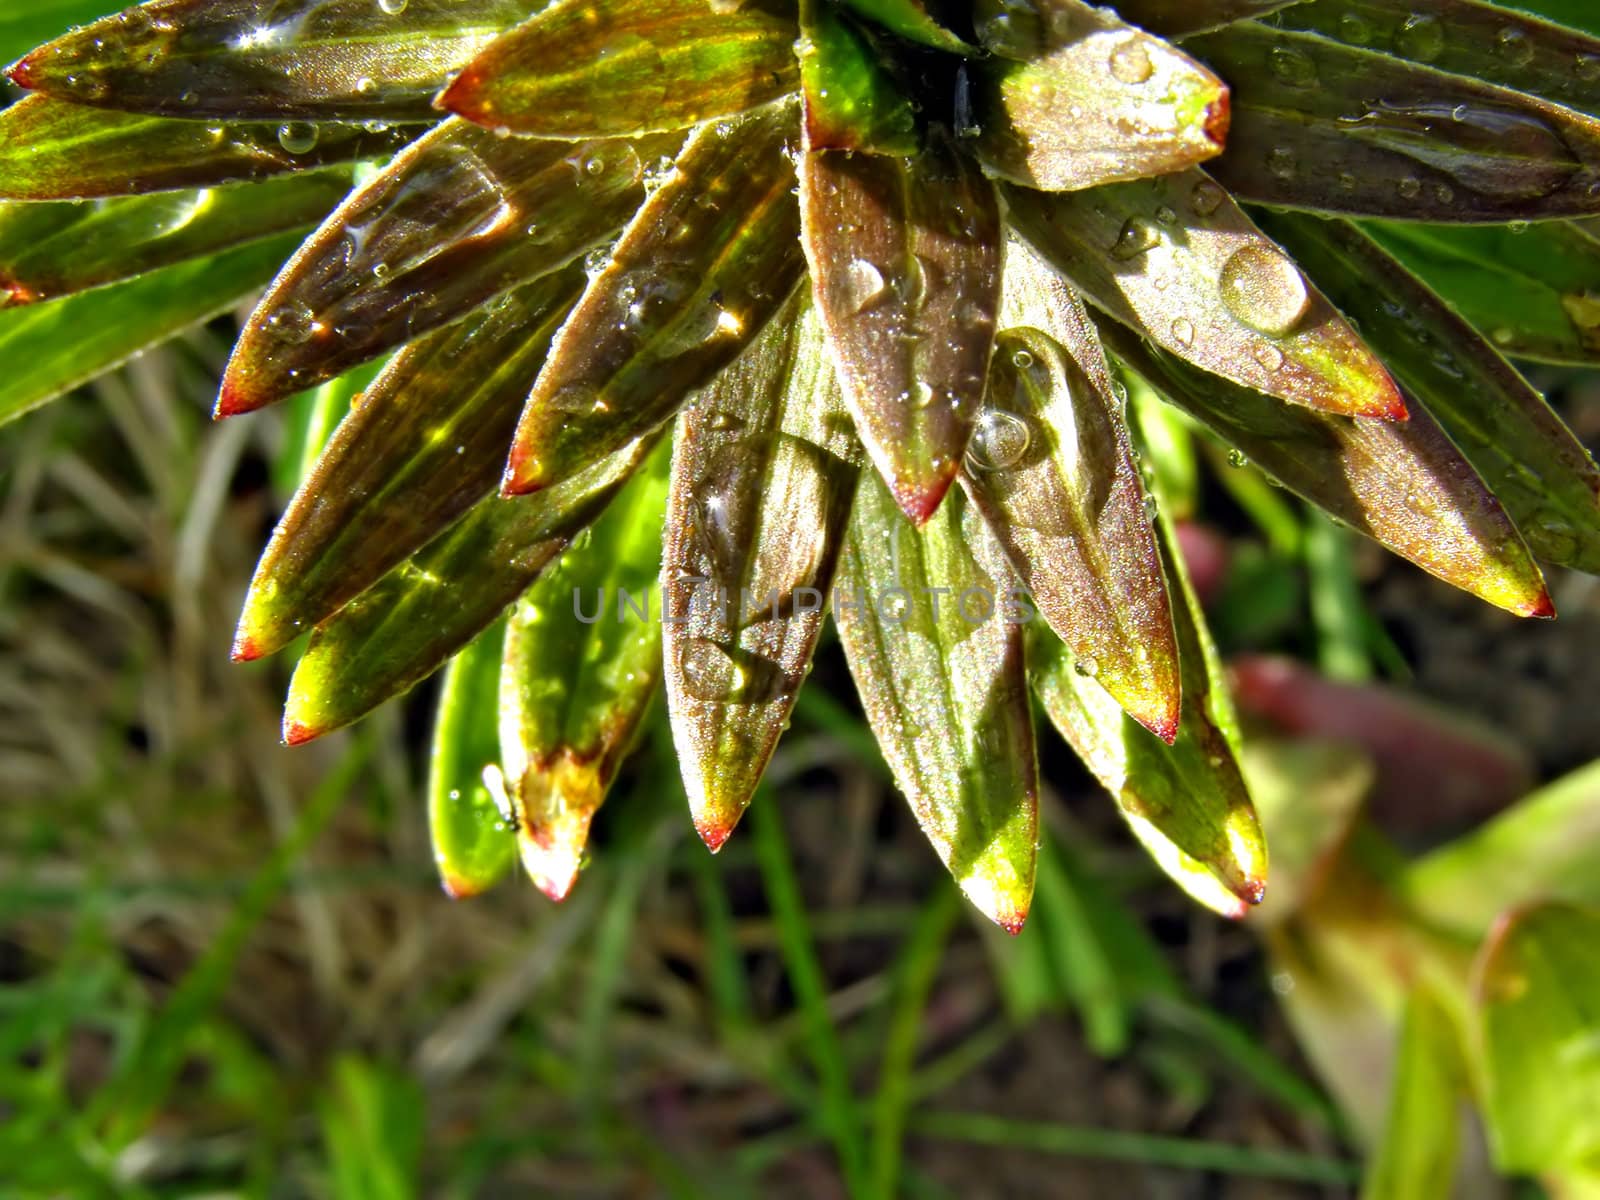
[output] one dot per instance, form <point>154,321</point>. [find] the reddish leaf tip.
<point>1012,923</point>
<point>713,833</point>
<point>1219,119</point>
<point>522,475</point>
<point>245,648</point>
<point>1164,726</point>
<point>462,96</point>
<point>459,889</point>
<point>21,73</point>
<point>16,294</point>
<point>1253,891</point>
<point>234,399</point>
<point>920,500</point>
<point>296,734</point>
<point>1541,606</point>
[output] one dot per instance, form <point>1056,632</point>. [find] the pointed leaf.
<point>1422,1134</point>
<point>1309,133</point>
<point>587,68</point>
<point>1051,469</point>
<point>1538,992</point>
<point>1076,98</point>
<point>905,266</point>
<point>1174,18</point>
<point>51,348</point>
<point>458,218</point>
<point>1534,290</point>
<point>1186,802</point>
<point>852,101</point>
<point>424,444</point>
<point>1481,41</point>
<point>912,21</point>
<point>1533,463</point>
<point>56,150</point>
<point>472,844</point>
<point>698,272</point>
<point>763,476</point>
<point>24,26</point>
<point>939,665</point>
<point>55,249</point>
<point>582,663</point>
<point>1401,483</point>
<point>402,628</point>
<point>1178,261</point>
<point>317,59</point>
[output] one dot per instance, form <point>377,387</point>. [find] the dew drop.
<point>293,323</point>
<point>1264,290</point>
<point>709,673</point>
<point>1421,38</point>
<point>1410,187</point>
<point>1513,46</point>
<point>1281,163</point>
<point>392,7</point>
<point>1130,62</point>
<point>1293,66</point>
<point>1206,198</point>
<point>1087,666</point>
<point>1183,332</point>
<point>863,285</point>
<point>1354,30</point>
<point>999,442</point>
<point>1137,237</point>
<point>298,137</point>
<point>1269,356</point>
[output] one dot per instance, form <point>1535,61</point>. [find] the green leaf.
<point>1463,37</point>
<point>1173,18</point>
<point>51,348</point>
<point>1178,261</point>
<point>1186,802</point>
<point>57,249</point>
<point>1533,463</point>
<point>905,268</point>
<point>424,443</point>
<point>1574,14</point>
<point>1308,133</point>
<point>24,26</point>
<point>1534,290</point>
<point>912,21</point>
<point>405,626</point>
<point>1542,848</point>
<point>1537,989</point>
<point>374,1123</point>
<point>458,218</point>
<point>1422,1135</point>
<point>764,472</point>
<point>852,101</point>
<point>696,274</point>
<point>1402,483</point>
<point>316,59</point>
<point>1051,469</point>
<point>582,663</point>
<point>1138,107</point>
<point>472,844</point>
<point>57,150</point>
<point>588,68</point>
<point>929,636</point>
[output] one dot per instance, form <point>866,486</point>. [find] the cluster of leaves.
<point>846,247</point>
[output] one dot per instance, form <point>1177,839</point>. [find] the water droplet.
<point>709,673</point>
<point>1236,458</point>
<point>1409,187</point>
<point>1354,29</point>
<point>293,323</point>
<point>863,285</point>
<point>1421,38</point>
<point>1087,666</point>
<point>1281,163</point>
<point>580,399</point>
<point>1264,290</point>
<point>1206,198</point>
<point>1269,356</point>
<point>1183,332</point>
<point>1513,46</point>
<point>999,442</point>
<point>1130,62</point>
<point>1293,66</point>
<point>393,7</point>
<point>298,137</point>
<point>1137,237</point>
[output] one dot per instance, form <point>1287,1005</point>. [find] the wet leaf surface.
<point>1401,483</point>
<point>50,348</point>
<point>905,268</point>
<point>458,218</point>
<point>1177,260</point>
<point>473,846</point>
<point>589,68</point>
<point>1537,988</point>
<point>1171,18</point>
<point>1481,41</point>
<point>1534,291</point>
<point>946,696</point>
<point>24,26</point>
<point>1051,469</point>
<point>697,273</point>
<point>582,663</point>
<point>313,59</point>
<point>764,473</point>
<point>1321,125</point>
<point>1074,98</point>
<point>405,626</point>
<point>55,249</point>
<point>851,100</point>
<point>426,442</point>
<point>1187,802</point>
<point>912,21</point>
<point>1536,466</point>
<point>57,150</point>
